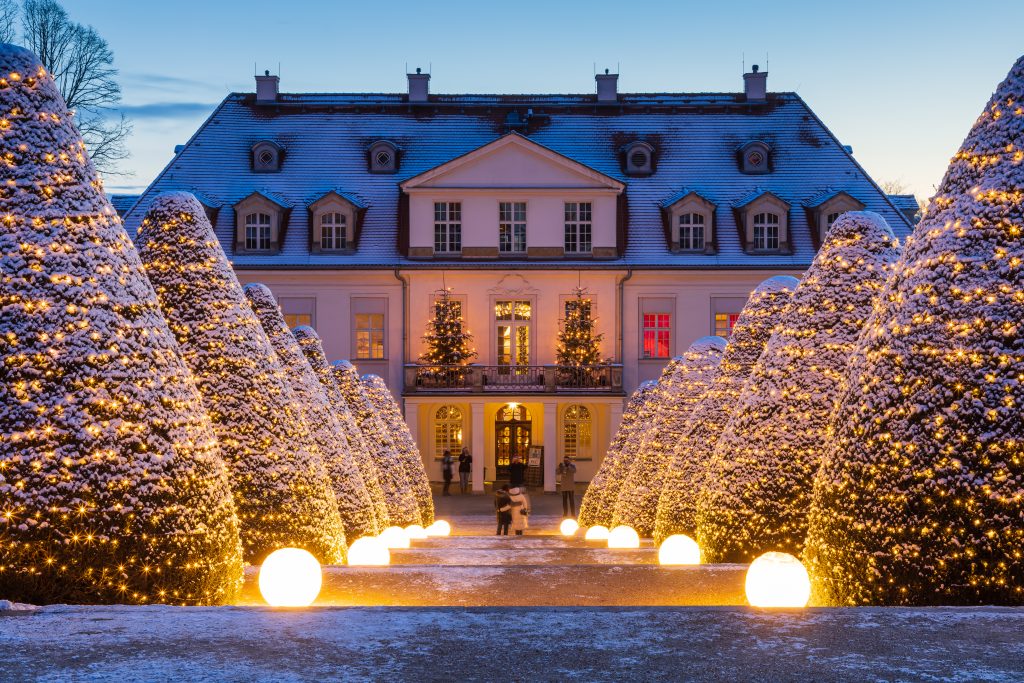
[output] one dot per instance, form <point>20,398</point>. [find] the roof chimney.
<point>755,85</point>
<point>607,87</point>
<point>419,86</point>
<point>266,88</point>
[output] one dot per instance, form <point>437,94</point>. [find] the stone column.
<point>477,449</point>
<point>614,419</point>
<point>412,419</point>
<point>550,445</point>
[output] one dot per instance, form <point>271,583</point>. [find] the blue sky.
<point>900,81</point>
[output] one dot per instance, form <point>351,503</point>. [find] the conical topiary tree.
<point>683,384</point>
<point>403,508</point>
<point>387,408</point>
<point>577,342</point>
<point>759,496</point>
<point>598,504</point>
<point>112,489</point>
<point>312,348</point>
<point>328,437</point>
<point>684,476</point>
<point>920,499</point>
<point>282,491</point>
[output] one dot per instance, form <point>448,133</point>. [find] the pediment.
<point>513,161</point>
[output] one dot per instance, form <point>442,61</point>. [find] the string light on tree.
<point>577,343</point>
<point>446,339</point>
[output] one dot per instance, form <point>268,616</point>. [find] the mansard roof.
<point>695,135</point>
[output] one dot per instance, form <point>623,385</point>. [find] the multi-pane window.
<point>333,231</point>
<point>257,231</point>
<point>657,335</point>
<point>691,231</point>
<point>576,432</point>
<point>293,320</point>
<point>512,227</point>
<point>447,431</point>
<point>447,227</point>
<point>513,318</point>
<point>766,231</point>
<point>298,311</point>
<point>578,228</point>
<point>724,322</point>
<point>369,335</point>
<point>831,218</point>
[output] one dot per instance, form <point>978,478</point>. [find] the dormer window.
<point>691,232</point>
<point>766,232</point>
<point>332,220</point>
<point>333,231</point>
<point>639,158</point>
<point>826,208</point>
<point>383,157</point>
<point>266,157</point>
<point>689,220</point>
<point>763,220</point>
<point>257,232</point>
<point>755,158</point>
<point>260,221</point>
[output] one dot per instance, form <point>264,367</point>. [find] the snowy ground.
<point>511,644</point>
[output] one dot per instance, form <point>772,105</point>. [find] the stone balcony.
<point>603,379</point>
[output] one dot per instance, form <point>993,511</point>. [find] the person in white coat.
<point>520,509</point>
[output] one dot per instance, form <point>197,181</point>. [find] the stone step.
<point>522,555</point>
<point>511,542</point>
<point>525,586</point>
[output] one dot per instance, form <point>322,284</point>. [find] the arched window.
<point>691,231</point>
<point>576,432</point>
<point>766,231</point>
<point>257,231</point>
<point>333,231</point>
<point>447,430</point>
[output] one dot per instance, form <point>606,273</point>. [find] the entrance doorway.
<point>512,429</point>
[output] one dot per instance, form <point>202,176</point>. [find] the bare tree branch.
<point>8,21</point>
<point>896,186</point>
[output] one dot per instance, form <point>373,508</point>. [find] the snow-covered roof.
<point>904,202</point>
<point>123,202</point>
<point>695,137</point>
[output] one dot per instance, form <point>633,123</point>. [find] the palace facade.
<point>668,209</point>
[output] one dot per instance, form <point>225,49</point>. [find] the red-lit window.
<point>657,335</point>
<point>724,322</point>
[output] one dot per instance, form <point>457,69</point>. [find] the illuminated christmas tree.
<point>395,479</point>
<point>691,461</point>
<point>112,488</point>
<point>282,490</point>
<point>312,348</point>
<point>327,435</point>
<point>448,342</point>
<point>920,499</point>
<point>682,385</point>
<point>760,494</point>
<point>577,343</point>
<point>598,505</point>
<point>387,408</point>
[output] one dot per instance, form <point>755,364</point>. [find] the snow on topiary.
<point>765,461</point>
<point>112,488</point>
<point>682,385</point>
<point>403,508</point>
<point>387,408</point>
<point>598,504</point>
<point>684,476</point>
<point>312,348</point>
<point>920,499</point>
<point>282,491</point>
<point>327,435</point>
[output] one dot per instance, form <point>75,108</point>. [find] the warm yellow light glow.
<point>439,528</point>
<point>679,549</point>
<point>597,533</point>
<point>395,537</point>
<point>513,405</point>
<point>569,527</point>
<point>623,537</point>
<point>777,580</point>
<point>369,551</point>
<point>415,532</point>
<point>290,577</point>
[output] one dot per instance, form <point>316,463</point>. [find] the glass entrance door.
<point>512,430</point>
<point>513,334</point>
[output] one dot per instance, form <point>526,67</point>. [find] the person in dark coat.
<point>446,471</point>
<point>567,482</point>
<point>465,468</point>
<point>503,510</point>
<point>517,472</point>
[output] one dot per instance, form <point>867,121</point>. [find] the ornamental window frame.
<point>448,228</point>
<point>755,158</point>
<point>266,156</point>
<point>382,157</point>
<point>449,421</point>
<point>836,205</point>
<point>691,204</point>
<point>761,207</point>
<point>332,204</point>
<point>246,217</point>
<point>638,158</point>
<point>579,228</point>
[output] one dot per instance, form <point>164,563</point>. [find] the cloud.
<point>166,110</point>
<point>163,82</point>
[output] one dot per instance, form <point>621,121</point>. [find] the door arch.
<point>513,428</point>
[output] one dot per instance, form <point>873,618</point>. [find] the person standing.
<point>567,482</point>
<point>446,471</point>
<point>503,509</point>
<point>465,468</point>
<point>517,472</point>
<point>520,509</point>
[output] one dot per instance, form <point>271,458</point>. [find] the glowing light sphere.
<point>394,537</point>
<point>569,527</point>
<point>439,528</point>
<point>290,577</point>
<point>598,532</point>
<point>369,551</point>
<point>679,549</point>
<point>415,531</point>
<point>623,537</point>
<point>777,580</point>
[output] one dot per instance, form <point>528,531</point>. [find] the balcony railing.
<point>513,379</point>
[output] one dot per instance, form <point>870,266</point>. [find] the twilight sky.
<point>899,80</point>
